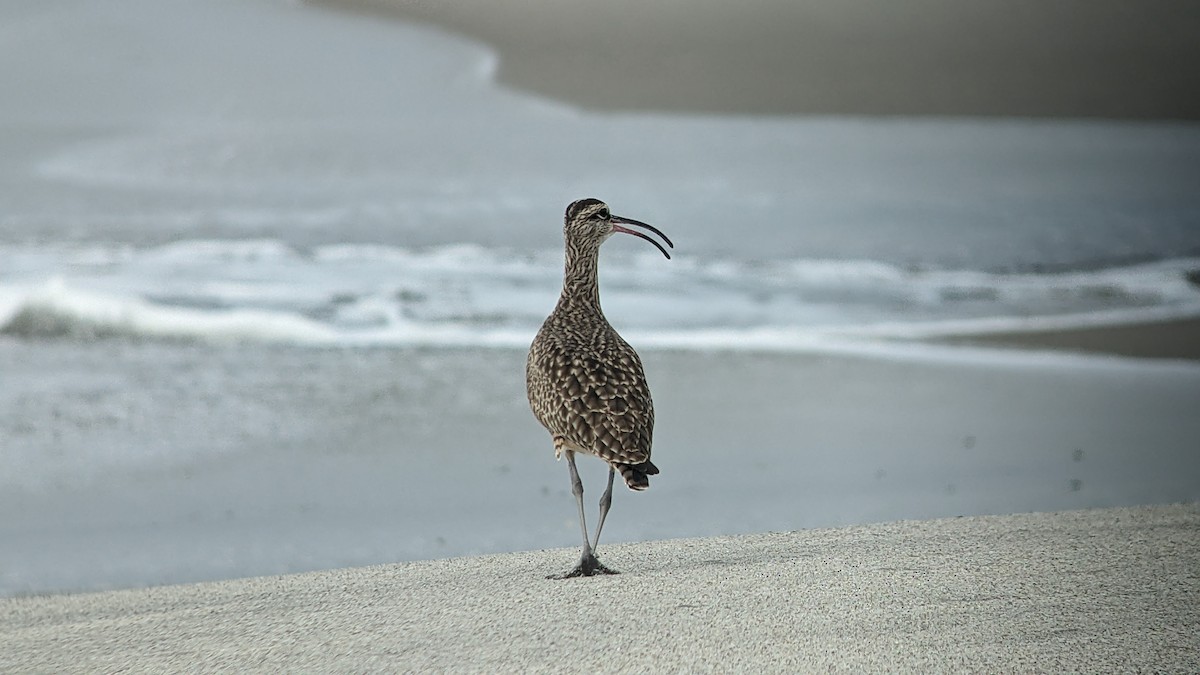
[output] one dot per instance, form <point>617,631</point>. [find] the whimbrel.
<point>585,383</point>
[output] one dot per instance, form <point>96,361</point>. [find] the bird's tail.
<point>637,475</point>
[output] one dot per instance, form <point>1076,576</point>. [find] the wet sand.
<point>138,464</point>
<point>1176,339</point>
<point>1084,591</point>
<point>1072,58</point>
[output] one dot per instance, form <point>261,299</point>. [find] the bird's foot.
<point>587,567</point>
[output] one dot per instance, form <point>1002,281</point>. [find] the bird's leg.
<point>605,502</point>
<point>577,490</point>
<point>588,565</point>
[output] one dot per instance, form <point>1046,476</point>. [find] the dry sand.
<point>1069,58</point>
<point>1089,591</point>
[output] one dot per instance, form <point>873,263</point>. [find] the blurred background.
<point>269,269</point>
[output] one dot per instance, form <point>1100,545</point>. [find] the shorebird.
<point>585,383</point>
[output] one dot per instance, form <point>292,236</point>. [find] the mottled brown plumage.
<point>585,383</point>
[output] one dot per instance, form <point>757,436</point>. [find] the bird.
<point>585,384</point>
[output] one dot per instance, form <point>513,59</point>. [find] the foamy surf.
<point>57,310</point>
<point>474,296</point>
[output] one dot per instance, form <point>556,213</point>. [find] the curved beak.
<point>638,223</point>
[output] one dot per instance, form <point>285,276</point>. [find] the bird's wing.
<point>596,399</point>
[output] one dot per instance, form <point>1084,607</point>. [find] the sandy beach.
<point>1084,591</point>
<point>143,464</point>
<point>1076,58</point>
<point>269,271</point>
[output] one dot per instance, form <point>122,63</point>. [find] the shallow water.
<point>132,464</point>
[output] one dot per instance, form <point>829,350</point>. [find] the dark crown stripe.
<point>578,206</point>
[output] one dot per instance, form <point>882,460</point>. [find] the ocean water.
<point>169,175</point>
<point>226,227</point>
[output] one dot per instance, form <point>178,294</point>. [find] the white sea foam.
<point>469,295</point>
<point>58,310</point>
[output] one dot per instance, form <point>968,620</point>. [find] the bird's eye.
<point>602,214</point>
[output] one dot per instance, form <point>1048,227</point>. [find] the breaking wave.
<point>268,291</point>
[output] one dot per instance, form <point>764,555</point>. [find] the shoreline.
<point>1085,59</point>
<point>1080,58</point>
<point>1163,339</point>
<point>228,462</point>
<point>1097,590</point>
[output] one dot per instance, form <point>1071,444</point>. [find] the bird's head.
<point>589,221</point>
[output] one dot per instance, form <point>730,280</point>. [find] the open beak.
<point>638,223</point>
